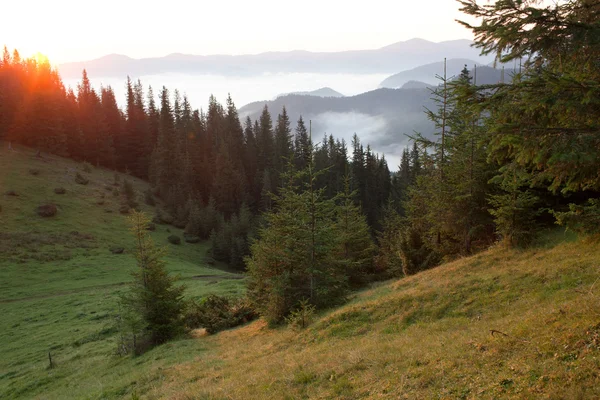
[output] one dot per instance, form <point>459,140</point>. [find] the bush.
<point>117,250</point>
<point>124,209</point>
<point>583,219</point>
<point>191,238</point>
<point>34,171</point>
<point>149,198</point>
<point>301,317</point>
<point>216,313</point>
<point>60,190</point>
<point>416,255</point>
<point>174,239</point>
<point>132,204</point>
<point>87,167</point>
<point>47,210</point>
<point>162,217</point>
<point>128,190</point>
<point>80,179</point>
<point>151,226</point>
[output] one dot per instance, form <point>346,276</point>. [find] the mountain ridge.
<point>388,59</point>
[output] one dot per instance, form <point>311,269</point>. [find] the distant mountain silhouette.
<point>322,92</point>
<point>389,59</point>
<point>416,85</point>
<point>381,117</point>
<point>427,73</point>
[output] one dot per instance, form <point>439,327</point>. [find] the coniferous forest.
<point>310,218</point>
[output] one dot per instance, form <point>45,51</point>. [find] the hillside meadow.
<point>60,283</point>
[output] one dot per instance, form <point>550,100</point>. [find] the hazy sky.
<point>68,30</point>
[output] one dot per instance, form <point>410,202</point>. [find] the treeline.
<point>513,158</point>
<point>213,174</point>
<point>509,160</point>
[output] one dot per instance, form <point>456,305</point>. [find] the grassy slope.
<point>427,336</point>
<point>59,282</point>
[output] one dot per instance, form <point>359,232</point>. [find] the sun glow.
<point>41,58</point>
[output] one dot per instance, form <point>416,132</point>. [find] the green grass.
<point>59,283</point>
<point>428,336</point>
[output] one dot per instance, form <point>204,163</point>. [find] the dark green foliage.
<point>415,253</point>
<point>162,217</point>
<point>191,238</point>
<point>153,306</point>
<point>583,219</point>
<point>294,257</point>
<point>230,242</point>
<point>356,248</point>
<point>388,261</point>
<point>174,239</point>
<point>544,123</point>
<point>128,191</point>
<point>149,198</point>
<point>302,316</point>
<point>514,209</point>
<point>216,313</point>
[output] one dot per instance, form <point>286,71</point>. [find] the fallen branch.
<point>494,331</point>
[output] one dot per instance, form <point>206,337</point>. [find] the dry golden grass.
<point>427,336</point>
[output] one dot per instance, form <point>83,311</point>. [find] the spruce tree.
<point>153,297</point>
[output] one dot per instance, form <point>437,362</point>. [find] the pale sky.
<point>68,30</point>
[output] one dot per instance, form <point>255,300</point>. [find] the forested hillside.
<point>310,221</point>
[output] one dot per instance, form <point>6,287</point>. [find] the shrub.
<point>162,217</point>
<point>116,192</point>
<point>128,190</point>
<point>149,198</point>
<point>302,316</point>
<point>80,179</point>
<point>132,204</point>
<point>124,209</point>
<point>583,219</point>
<point>216,313</point>
<point>416,255</point>
<point>47,210</point>
<point>34,171</point>
<point>117,250</point>
<point>210,260</point>
<point>60,190</point>
<point>191,238</point>
<point>151,226</point>
<point>117,179</point>
<point>174,239</point>
<point>87,167</point>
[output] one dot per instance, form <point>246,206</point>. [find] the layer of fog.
<point>371,130</point>
<point>243,90</point>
